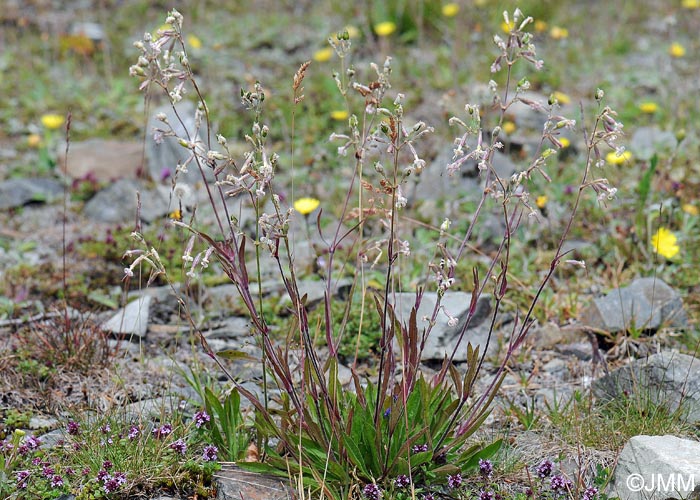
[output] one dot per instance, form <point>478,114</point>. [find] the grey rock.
<point>235,483</point>
<point>51,439</point>
<point>669,379</point>
<point>315,291</point>
<point>18,192</point>
<point>555,366</point>
<point>169,153</point>
<point>117,202</point>
<point>122,347</point>
<point>444,338</point>
<point>104,159</point>
<point>581,350</point>
<point>647,141</point>
<point>550,335</point>
<point>646,304</point>
<point>131,321</point>
<point>648,464</point>
<point>152,408</point>
<point>38,422</point>
<point>230,328</point>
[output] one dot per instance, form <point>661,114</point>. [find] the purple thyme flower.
<point>56,481</point>
<point>486,495</point>
<point>544,469</point>
<point>133,432</point>
<point>419,448</point>
<point>73,428</point>
<point>372,492</point>
<point>590,493</point>
<point>120,478</point>
<point>105,429</point>
<point>111,485</point>
<point>107,464</point>
<point>32,442</point>
<point>179,446</point>
<point>387,412</point>
<point>455,481</point>
<point>47,471</point>
<point>22,477</point>
<point>402,481</point>
<point>103,476</point>
<point>428,496</point>
<point>162,431</point>
<point>69,471</point>
<point>201,418</point>
<point>559,484</point>
<point>485,468</point>
<point>209,453</point>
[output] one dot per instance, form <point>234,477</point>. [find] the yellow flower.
<point>665,243</point>
<point>561,97</point>
<point>385,28</point>
<point>557,32</point>
<point>614,159</point>
<point>540,26</point>
<point>33,140</point>
<point>323,55</point>
<point>450,9</point>
<point>194,42</point>
<point>52,121</point>
<point>306,205</point>
<point>507,27</point>
<point>565,143</point>
<point>541,201</point>
<point>339,114</point>
<point>676,50</point>
<point>648,107</point>
<point>690,4</point>
<point>690,209</point>
<point>509,127</point>
<point>175,215</point>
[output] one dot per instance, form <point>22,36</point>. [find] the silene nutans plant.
<point>399,433</point>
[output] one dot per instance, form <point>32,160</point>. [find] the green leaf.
<point>644,185</point>
<point>234,355</point>
<point>102,299</point>
<point>355,456</point>
<point>485,453</point>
